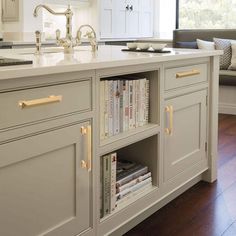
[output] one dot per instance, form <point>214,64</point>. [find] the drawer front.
<point>184,76</point>
<point>30,105</point>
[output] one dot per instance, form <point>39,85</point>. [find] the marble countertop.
<point>53,60</point>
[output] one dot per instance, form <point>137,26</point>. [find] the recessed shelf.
<point>127,138</point>
<point>130,202</point>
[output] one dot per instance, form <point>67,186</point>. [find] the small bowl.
<point>158,46</point>
<point>132,45</point>
<point>143,46</point>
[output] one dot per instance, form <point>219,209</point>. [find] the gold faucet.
<point>68,42</point>
<point>91,35</point>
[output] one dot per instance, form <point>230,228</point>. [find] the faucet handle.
<point>38,42</point>
<point>78,37</point>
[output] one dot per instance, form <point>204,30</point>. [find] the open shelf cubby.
<point>136,175</point>
<point>128,102</point>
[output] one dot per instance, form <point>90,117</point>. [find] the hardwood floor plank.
<point>205,209</point>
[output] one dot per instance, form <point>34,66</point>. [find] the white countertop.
<point>55,61</point>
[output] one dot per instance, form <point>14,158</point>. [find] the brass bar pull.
<point>87,164</point>
<point>183,74</point>
<point>170,110</point>
<point>39,102</point>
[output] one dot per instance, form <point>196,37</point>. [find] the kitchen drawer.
<point>184,76</point>
<point>34,104</point>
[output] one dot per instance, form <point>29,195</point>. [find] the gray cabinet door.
<point>10,10</point>
<point>43,188</point>
<point>185,135</point>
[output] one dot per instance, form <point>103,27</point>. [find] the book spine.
<point>102,110</point>
<point>126,105</point>
<point>121,116</point>
<point>134,105</point>
<point>132,176</point>
<point>133,194</point>
<point>130,104</point>
<point>142,102</point>
<point>106,109</point>
<point>101,187</point>
<point>115,110</point>
<point>147,102</point>
<point>110,109</point>
<point>113,181</point>
<point>133,182</point>
<point>137,103</point>
<point>133,188</point>
<point>106,184</point>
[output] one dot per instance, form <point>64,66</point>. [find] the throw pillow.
<point>205,45</point>
<point>225,45</point>
<point>233,58</point>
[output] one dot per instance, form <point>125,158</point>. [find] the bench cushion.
<point>227,77</point>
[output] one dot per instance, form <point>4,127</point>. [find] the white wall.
<point>28,24</point>
<point>164,18</point>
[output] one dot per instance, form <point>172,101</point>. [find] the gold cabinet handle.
<point>87,164</point>
<point>183,74</point>
<point>40,101</point>
<point>170,110</point>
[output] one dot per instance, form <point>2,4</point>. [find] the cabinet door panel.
<point>107,18</point>
<point>120,21</point>
<point>133,17</point>
<point>186,146</point>
<point>45,191</point>
<point>10,10</point>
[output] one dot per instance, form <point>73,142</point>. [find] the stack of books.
<point>121,180</point>
<point>124,105</point>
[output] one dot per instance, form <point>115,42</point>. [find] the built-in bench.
<point>187,39</point>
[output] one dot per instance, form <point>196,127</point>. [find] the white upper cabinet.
<point>126,18</point>
<point>10,10</point>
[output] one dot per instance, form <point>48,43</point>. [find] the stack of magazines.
<point>124,105</point>
<point>121,180</point>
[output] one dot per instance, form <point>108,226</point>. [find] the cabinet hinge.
<point>206,146</point>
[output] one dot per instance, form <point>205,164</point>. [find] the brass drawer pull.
<point>39,102</point>
<point>183,74</point>
<point>170,110</point>
<point>87,164</point>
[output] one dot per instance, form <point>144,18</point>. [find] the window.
<point>205,14</point>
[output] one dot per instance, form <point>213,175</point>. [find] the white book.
<point>137,102</point>
<point>134,188</point>
<point>110,108</point>
<point>134,194</point>
<point>122,109</point>
<point>130,104</point>
<point>142,117</point>
<point>102,109</point>
<point>115,111</point>
<point>106,108</point>
<point>113,157</point>
<point>134,105</point>
<point>147,102</point>
<point>126,106</point>
<point>133,182</point>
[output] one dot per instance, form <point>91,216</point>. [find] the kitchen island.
<point>51,145</point>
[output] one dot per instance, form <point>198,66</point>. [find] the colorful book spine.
<point>106,108</point>
<point>130,104</point>
<point>113,162</point>
<point>110,109</point>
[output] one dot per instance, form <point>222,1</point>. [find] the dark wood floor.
<point>205,209</point>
